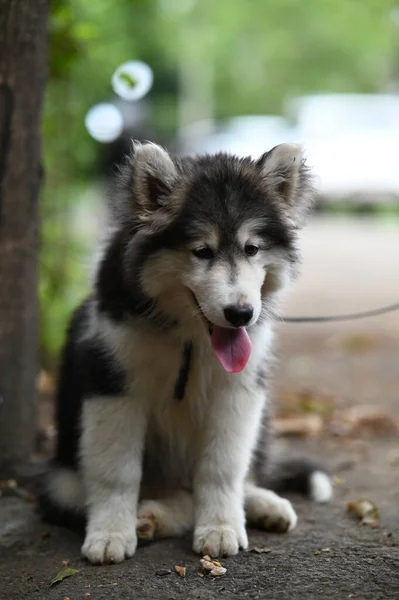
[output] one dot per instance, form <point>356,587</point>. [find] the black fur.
<point>181,383</point>
<point>55,515</point>
<point>87,369</point>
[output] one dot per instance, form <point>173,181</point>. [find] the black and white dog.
<point>162,402</point>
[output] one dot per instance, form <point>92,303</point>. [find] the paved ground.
<point>330,554</point>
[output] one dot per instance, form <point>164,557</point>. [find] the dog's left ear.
<point>289,181</point>
<point>153,175</point>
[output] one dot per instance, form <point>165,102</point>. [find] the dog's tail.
<point>301,475</point>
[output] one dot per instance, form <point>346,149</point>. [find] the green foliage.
<point>261,53</point>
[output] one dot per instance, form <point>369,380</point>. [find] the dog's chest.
<point>177,382</point>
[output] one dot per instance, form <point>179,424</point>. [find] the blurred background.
<point>202,76</point>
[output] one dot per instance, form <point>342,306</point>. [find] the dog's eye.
<point>205,253</point>
<point>251,250</point>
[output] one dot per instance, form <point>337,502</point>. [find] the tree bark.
<point>23,67</point>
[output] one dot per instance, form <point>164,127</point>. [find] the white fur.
<point>213,432</point>
<point>66,489</point>
<point>320,487</point>
<point>111,448</point>
<point>169,517</point>
<point>268,510</point>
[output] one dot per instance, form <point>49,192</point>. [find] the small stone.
<point>163,572</point>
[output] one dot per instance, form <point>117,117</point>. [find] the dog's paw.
<point>219,540</point>
<point>146,526</point>
<point>102,547</point>
<point>269,511</point>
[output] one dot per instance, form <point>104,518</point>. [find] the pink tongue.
<point>232,348</point>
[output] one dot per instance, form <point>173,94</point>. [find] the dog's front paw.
<point>101,547</point>
<point>269,511</point>
<point>219,540</point>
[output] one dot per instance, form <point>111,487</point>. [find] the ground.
<point>337,390</point>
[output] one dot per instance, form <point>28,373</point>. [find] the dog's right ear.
<point>145,183</point>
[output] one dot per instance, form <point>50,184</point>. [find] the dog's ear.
<point>153,175</point>
<point>289,181</point>
<point>144,185</point>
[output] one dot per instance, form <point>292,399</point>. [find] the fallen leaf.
<point>260,549</point>
<point>65,563</point>
<point>295,403</point>
<point>365,510</point>
<point>336,481</point>
<point>63,575</point>
<point>9,483</point>
<point>45,383</point>
<point>207,564</point>
<point>363,420</point>
<point>305,426</point>
<point>352,596</point>
<point>212,566</point>
<point>180,570</point>
<point>359,343</point>
<point>218,571</point>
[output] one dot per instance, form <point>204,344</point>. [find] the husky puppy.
<point>162,406</point>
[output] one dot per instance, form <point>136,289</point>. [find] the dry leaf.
<point>260,549</point>
<point>295,403</point>
<point>306,426</point>
<point>180,570</point>
<point>365,510</point>
<point>212,566</point>
<point>359,343</point>
<point>363,420</point>
<point>336,481</point>
<point>207,564</point>
<point>63,575</point>
<point>218,571</point>
<point>45,383</point>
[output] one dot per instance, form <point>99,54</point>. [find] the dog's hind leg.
<point>167,517</point>
<point>266,510</point>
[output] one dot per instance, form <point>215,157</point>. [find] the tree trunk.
<point>23,66</point>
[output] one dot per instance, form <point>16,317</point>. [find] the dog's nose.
<point>238,315</point>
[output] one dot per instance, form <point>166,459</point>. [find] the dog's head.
<point>213,237</point>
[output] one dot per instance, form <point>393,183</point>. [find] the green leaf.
<point>63,575</point>
<point>128,79</point>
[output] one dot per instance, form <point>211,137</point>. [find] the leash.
<point>348,317</point>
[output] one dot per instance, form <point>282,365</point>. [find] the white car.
<point>352,143</point>
<point>249,135</point>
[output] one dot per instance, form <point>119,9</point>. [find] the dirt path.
<point>329,555</point>
<point>356,559</point>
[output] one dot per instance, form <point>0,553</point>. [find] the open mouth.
<point>232,347</point>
